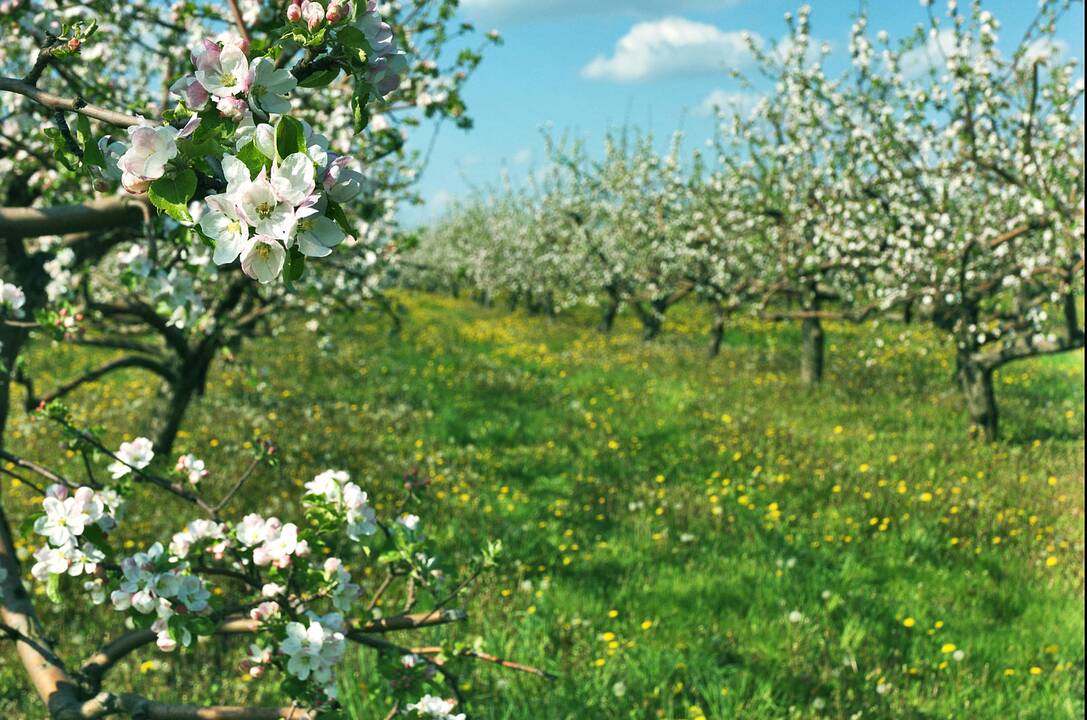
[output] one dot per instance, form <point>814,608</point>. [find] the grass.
<point>685,538</point>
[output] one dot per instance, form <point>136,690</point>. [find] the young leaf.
<point>52,588</point>
<point>171,194</point>
<point>91,154</point>
<point>253,158</point>
<point>336,212</point>
<point>290,137</point>
<point>352,37</point>
<point>320,78</point>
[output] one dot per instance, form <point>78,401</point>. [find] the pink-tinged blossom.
<point>224,73</point>
<point>191,466</point>
<point>313,13</point>
<point>192,93</point>
<point>150,148</point>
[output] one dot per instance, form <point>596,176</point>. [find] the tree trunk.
<point>651,322</point>
<point>717,334</point>
<point>907,313</point>
<point>812,352</point>
<point>611,311</point>
<point>977,385</point>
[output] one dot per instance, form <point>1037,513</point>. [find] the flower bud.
<point>294,13</point>
<point>134,183</point>
<point>101,185</point>
<point>314,14</point>
<point>335,13</point>
<point>74,44</point>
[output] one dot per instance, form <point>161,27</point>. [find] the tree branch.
<point>55,102</point>
<point>102,214</point>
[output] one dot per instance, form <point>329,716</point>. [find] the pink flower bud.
<point>335,13</point>
<point>314,14</point>
<point>294,13</point>
<point>74,44</point>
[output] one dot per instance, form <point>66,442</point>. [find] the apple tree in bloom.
<point>973,166</point>
<point>163,266</point>
<point>174,178</point>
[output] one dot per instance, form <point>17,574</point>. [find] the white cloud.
<point>531,9</point>
<point>1046,49</point>
<point>933,54</point>
<point>729,101</point>
<point>522,156</point>
<point>439,202</point>
<point>669,46</point>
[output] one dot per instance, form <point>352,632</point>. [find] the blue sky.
<point>588,66</point>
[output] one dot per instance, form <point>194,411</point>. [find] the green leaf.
<point>290,137</point>
<point>171,194</point>
<point>295,266</point>
<point>253,158</point>
<point>321,78</point>
<point>360,114</point>
<point>316,39</point>
<point>352,37</point>
<point>52,588</point>
<point>91,154</point>
<point>60,149</point>
<point>336,213</point>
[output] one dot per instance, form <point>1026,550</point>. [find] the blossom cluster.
<point>314,649</point>
<point>273,542</point>
<point>335,488</point>
<point>134,455</point>
<point>66,517</point>
<point>226,78</point>
<point>159,588</point>
<point>277,192</point>
<point>155,584</point>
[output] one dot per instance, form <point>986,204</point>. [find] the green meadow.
<point>683,537</point>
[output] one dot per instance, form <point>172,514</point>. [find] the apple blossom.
<point>192,468</point>
<point>12,297</point>
<point>435,708</point>
<point>263,260</point>
<point>225,225</point>
<point>270,86</point>
<point>135,454</point>
<point>149,149</point>
<point>316,235</point>
<point>261,207</point>
<point>223,72</point>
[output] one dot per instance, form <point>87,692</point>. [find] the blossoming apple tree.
<point>220,178</point>
<point>188,300</point>
<point>934,177</point>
